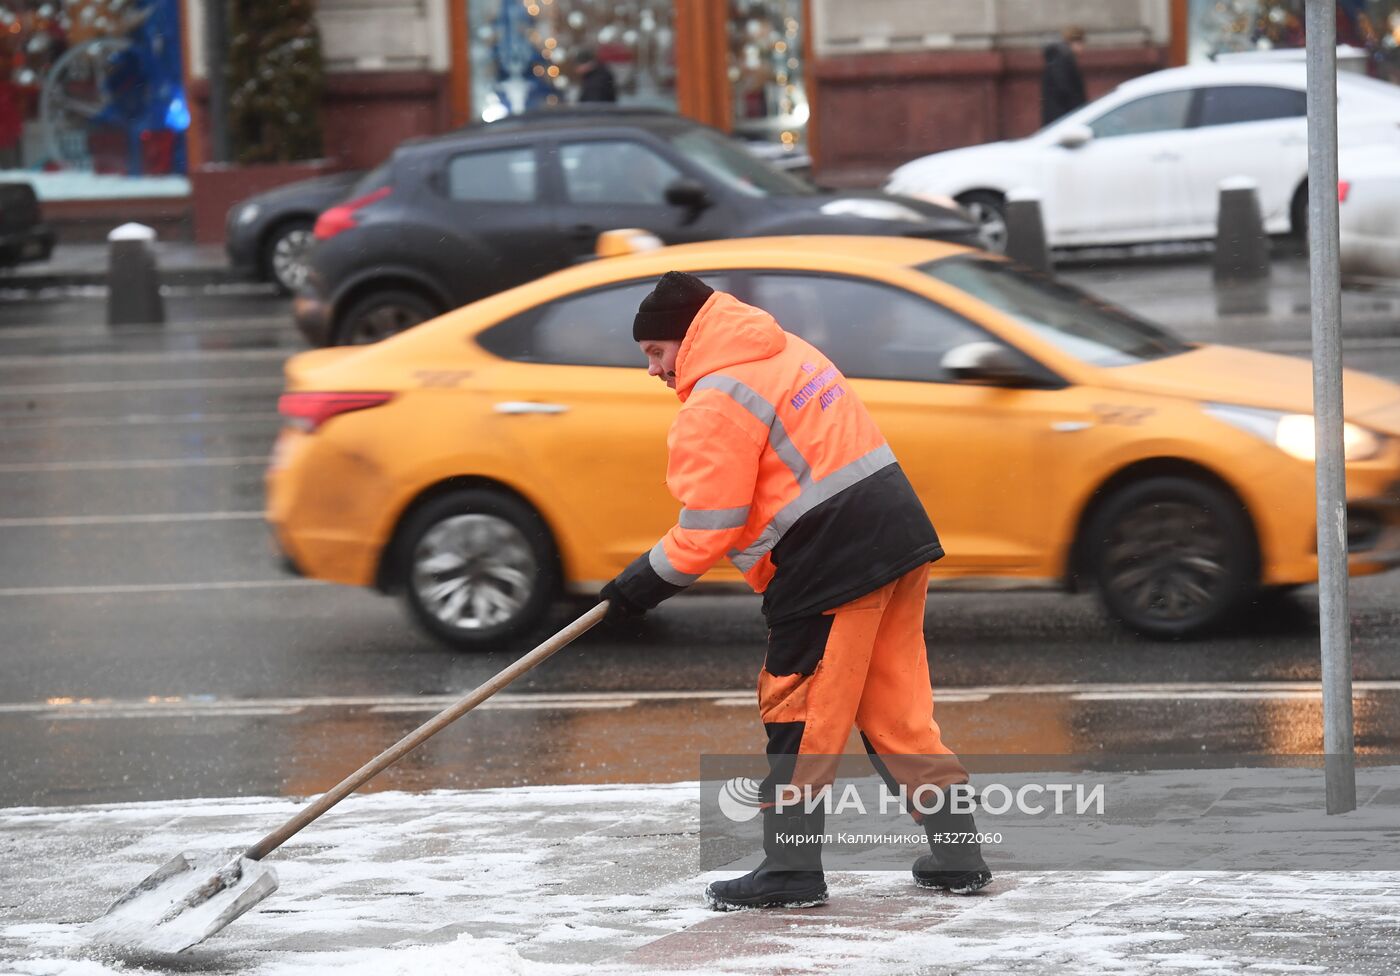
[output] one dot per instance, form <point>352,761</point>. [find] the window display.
<point>1368,31</point>
<point>529,54</point>
<point>91,97</point>
<point>765,70</point>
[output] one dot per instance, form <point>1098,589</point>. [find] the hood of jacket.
<point>724,333</point>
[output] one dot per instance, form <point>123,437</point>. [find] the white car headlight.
<point>248,214</point>
<point>1294,433</point>
<point>871,209</point>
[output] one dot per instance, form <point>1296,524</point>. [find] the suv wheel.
<point>284,255</point>
<point>478,568</point>
<point>382,314</point>
<point>1172,557</point>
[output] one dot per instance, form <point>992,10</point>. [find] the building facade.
<point>864,85</point>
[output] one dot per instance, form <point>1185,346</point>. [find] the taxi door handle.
<point>1070,426</point>
<point>514,407</point>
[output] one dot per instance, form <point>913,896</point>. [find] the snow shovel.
<point>184,902</point>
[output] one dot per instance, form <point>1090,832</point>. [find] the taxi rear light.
<point>342,218</point>
<point>1343,190</point>
<point>308,411</point>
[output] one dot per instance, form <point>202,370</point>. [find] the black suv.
<point>23,237</point>
<point>454,218</point>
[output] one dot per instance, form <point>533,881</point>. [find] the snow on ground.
<point>559,881</point>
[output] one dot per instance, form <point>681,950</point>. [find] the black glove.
<point>620,606</point>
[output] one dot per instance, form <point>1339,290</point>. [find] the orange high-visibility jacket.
<point>780,468</point>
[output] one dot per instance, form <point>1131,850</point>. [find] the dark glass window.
<point>1161,112</point>
<point>1077,323</point>
<point>1230,104</point>
<point>592,328</point>
<point>615,172</point>
<point>868,329</point>
<point>493,176</point>
<point>735,167</point>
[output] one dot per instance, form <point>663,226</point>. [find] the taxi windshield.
<point>1086,327</point>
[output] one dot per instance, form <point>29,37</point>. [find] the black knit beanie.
<point>667,312</point>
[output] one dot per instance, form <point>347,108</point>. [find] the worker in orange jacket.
<point>779,467</point>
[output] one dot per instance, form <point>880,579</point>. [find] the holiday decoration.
<point>276,79</point>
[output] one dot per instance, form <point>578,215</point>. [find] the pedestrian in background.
<point>595,79</point>
<point>1061,84</point>
<point>780,467</point>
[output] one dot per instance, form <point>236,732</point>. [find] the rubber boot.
<point>955,863</point>
<point>790,875</point>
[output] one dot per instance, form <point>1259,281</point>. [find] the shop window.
<point>530,54</point>
<point>615,173</point>
<point>91,97</point>
<point>765,70</point>
<point>497,176</point>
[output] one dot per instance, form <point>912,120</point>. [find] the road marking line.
<point>144,386</point>
<point>1167,688</point>
<point>495,704</point>
<point>143,464</point>
<point>136,588</point>
<point>1379,344</point>
<point>619,699</point>
<point>143,358</point>
<point>72,520</point>
<point>1315,694</point>
<point>165,419</point>
<point>200,713</point>
<point>248,323</point>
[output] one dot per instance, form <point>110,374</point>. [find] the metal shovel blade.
<point>184,902</point>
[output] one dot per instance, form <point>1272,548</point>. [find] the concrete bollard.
<point>1025,230</point>
<point>1241,246</point>
<point>133,284</point>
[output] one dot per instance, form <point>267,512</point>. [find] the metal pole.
<point>216,67</point>
<point>1325,280</point>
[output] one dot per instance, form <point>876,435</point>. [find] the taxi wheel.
<point>478,569</point>
<point>1172,557</point>
<point>382,314</point>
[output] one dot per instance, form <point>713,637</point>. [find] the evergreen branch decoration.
<point>276,80</point>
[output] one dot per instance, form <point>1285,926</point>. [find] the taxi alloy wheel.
<point>479,569</point>
<point>1173,557</point>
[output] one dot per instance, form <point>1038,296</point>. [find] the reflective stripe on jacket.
<point>771,446</point>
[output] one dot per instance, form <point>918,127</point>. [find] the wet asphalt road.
<point>150,648</point>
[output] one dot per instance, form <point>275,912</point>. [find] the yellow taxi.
<point>487,462</point>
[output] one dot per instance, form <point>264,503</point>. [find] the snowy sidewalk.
<point>573,880</point>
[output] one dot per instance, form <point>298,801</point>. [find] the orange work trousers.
<point>862,665</point>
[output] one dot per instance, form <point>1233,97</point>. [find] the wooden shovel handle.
<point>425,732</point>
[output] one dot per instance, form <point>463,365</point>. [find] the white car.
<point>1145,162</point>
<point>1369,191</point>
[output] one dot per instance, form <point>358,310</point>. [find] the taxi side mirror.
<point>988,364</point>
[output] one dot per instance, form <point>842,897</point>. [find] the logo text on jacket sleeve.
<point>814,386</point>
